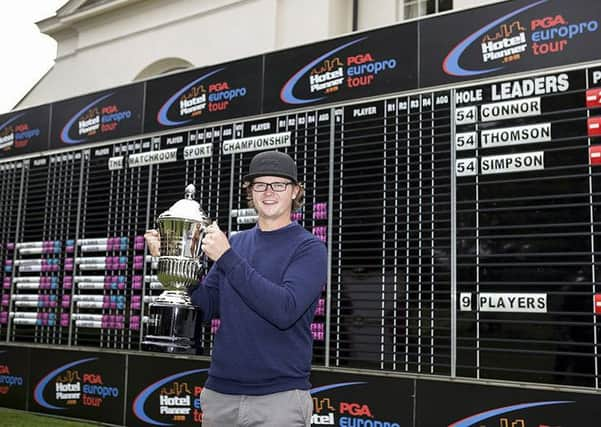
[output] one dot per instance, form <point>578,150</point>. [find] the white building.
<point>106,43</point>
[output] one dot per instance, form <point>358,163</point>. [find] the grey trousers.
<point>291,408</point>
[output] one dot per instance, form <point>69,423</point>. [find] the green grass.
<point>12,418</point>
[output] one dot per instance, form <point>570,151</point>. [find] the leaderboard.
<point>490,189</point>
<point>527,223</point>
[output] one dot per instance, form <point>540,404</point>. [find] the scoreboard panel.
<point>526,230</point>
<point>462,228</point>
<point>391,210</point>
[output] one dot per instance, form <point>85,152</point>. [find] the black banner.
<point>504,38</point>
<point>356,66</point>
<point>111,114</point>
<point>78,384</point>
<point>206,95</point>
<point>164,391</point>
<point>349,400</point>
<point>466,405</point>
<point>25,131</point>
<point>174,140</point>
<point>14,377</point>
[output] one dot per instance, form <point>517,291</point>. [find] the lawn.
<point>9,417</point>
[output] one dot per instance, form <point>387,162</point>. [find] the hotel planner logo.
<point>93,120</point>
<point>69,386</point>
<point>177,401</point>
<point>16,133</point>
<point>331,72</point>
<point>510,38</point>
<point>196,97</point>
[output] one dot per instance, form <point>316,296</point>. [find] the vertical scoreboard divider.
<point>132,228</point>
<point>36,265</point>
<point>337,152</point>
<point>4,252</point>
<point>70,224</point>
<point>66,171</point>
<point>413,278</point>
<point>426,313</point>
<point>216,194</point>
<point>390,231</point>
<point>99,301</point>
<point>593,104</point>
<point>202,158</point>
<point>363,277</point>
<point>316,207</point>
<point>148,282</point>
<point>441,170</point>
<point>12,180</point>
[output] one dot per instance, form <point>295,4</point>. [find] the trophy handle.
<point>197,236</point>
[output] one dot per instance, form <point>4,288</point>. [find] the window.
<point>163,66</point>
<point>416,8</point>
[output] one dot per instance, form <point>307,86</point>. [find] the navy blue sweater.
<point>264,289</point>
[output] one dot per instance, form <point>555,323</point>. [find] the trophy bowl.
<point>179,264</point>
<point>172,317</point>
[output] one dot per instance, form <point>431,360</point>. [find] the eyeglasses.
<point>278,187</point>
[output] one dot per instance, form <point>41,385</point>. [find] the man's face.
<point>273,203</point>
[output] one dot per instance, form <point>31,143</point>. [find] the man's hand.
<point>153,241</point>
<point>215,242</point>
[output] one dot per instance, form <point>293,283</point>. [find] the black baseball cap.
<point>271,163</point>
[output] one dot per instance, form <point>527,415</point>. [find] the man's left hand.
<point>215,242</point>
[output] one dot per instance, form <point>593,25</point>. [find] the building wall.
<point>463,4</point>
<point>388,12</point>
<point>133,41</point>
<point>112,49</point>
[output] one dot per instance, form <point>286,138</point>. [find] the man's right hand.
<point>153,241</point>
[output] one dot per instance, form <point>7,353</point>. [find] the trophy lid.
<point>186,208</point>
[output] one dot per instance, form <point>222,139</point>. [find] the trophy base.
<point>171,327</point>
<point>174,298</point>
<point>167,345</point>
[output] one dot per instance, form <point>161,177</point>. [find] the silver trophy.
<point>172,317</point>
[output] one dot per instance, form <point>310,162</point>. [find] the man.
<point>264,285</point>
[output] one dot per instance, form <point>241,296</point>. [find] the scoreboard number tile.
<point>466,167</point>
<point>466,141</point>
<point>466,115</point>
<point>465,301</point>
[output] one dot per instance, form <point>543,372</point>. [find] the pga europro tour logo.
<point>329,411</point>
<point>72,385</point>
<point>93,120</point>
<point>8,380</point>
<point>172,399</point>
<point>197,97</point>
<point>510,38</point>
<point>331,72</point>
<point>16,133</point>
